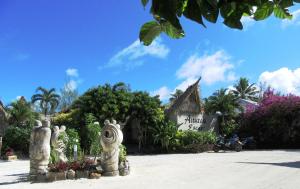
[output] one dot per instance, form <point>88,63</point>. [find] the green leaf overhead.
<point>149,31</point>
<point>209,10</point>
<point>193,12</point>
<point>282,13</point>
<point>264,11</point>
<point>232,23</point>
<point>171,31</point>
<point>169,12</point>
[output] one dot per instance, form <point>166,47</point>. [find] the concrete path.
<point>278,169</point>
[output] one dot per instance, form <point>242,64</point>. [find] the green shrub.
<point>229,127</point>
<point>18,139</point>
<point>195,137</point>
<point>123,153</point>
<point>93,134</point>
<point>164,134</point>
<point>193,141</point>
<point>74,139</point>
<point>53,157</point>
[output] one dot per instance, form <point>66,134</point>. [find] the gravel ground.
<point>278,169</point>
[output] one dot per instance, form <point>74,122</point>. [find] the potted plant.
<point>57,171</point>
<point>83,171</point>
<point>9,154</point>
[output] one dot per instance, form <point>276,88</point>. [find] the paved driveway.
<point>230,170</point>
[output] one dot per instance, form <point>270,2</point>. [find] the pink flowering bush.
<point>275,123</point>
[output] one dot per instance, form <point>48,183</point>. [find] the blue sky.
<point>87,43</point>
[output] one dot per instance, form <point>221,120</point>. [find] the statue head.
<point>55,129</point>
<point>111,136</point>
<point>46,123</point>
<point>62,128</point>
<point>106,122</point>
<point>38,123</point>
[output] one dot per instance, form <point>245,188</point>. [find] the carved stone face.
<point>111,137</point>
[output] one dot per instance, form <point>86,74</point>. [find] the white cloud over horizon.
<point>283,80</point>
<point>133,55</point>
<point>72,84</point>
<point>72,72</point>
<point>163,92</point>
<point>212,68</point>
<point>294,21</point>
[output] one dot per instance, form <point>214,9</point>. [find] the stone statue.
<point>111,138</point>
<point>39,149</point>
<point>59,139</point>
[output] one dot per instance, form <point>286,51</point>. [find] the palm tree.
<point>176,95</point>
<point>242,90</point>
<point>20,113</point>
<point>48,100</point>
<point>223,103</point>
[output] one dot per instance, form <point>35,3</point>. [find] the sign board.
<point>197,122</point>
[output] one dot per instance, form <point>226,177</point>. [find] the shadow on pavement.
<point>20,178</point>
<point>295,164</point>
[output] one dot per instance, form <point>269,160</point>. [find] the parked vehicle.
<point>249,143</point>
<point>230,144</point>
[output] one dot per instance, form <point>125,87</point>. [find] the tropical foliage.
<point>17,138</point>
<point>93,134</point>
<point>20,113</point>
<point>167,14</point>
<point>194,137</point>
<point>165,134</point>
<point>226,105</point>
<point>148,111</point>
<point>48,100</point>
<point>243,90</point>
<point>275,123</point>
<point>73,139</point>
<point>113,102</point>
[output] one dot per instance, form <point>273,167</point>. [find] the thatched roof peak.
<point>192,89</point>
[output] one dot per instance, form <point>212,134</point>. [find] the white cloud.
<point>133,55</point>
<point>73,83</point>
<point>163,92</point>
<point>212,68</point>
<point>283,80</point>
<point>247,22</point>
<point>294,21</point>
<point>72,72</point>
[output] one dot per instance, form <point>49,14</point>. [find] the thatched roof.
<point>3,119</point>
<point>2,108</point>
<point>193,89</point>
<point>1,104</point>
